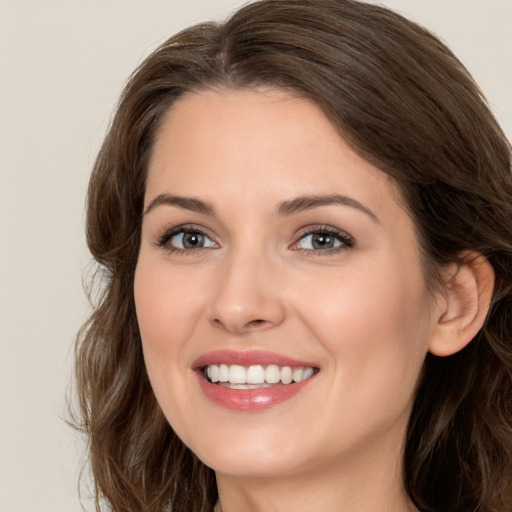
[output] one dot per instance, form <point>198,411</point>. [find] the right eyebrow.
<point>186,203</point>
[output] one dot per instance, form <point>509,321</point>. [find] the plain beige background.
<point>62,66</point>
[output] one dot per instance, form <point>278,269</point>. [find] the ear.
<point>464,305</point>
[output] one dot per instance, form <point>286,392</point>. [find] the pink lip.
<point>249,400</point>
<point>248,358</point>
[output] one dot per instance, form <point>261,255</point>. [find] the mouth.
<point>252,380</point>
<point>235,376</point>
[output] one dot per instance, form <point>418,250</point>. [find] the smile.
<point>235,376</point>
<point>252,381</point>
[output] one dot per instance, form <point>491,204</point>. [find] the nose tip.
<point>247,299</point>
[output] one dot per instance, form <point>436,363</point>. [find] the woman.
<point>303,216</point>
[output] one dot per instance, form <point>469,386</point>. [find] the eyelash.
<point>184,228</point>
<point>346,241</point>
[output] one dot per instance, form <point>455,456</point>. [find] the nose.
<point>247,297</point>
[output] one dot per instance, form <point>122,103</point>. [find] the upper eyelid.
<point>164,236</point>
<point>347,240</point>
<point>187,228</point>
<point>324,228</point>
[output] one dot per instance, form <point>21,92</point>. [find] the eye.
<point>186,239</point>
<point>319,241</point>
<point>325,239</point>
<point>190,240</point>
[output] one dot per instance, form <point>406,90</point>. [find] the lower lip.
<point>250,400</point>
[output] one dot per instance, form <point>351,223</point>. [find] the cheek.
<point>374,324</point>
<point>167,314</point>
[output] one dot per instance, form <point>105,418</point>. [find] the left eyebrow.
<point>300,204</point>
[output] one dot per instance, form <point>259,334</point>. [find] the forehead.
<point>257,146</point>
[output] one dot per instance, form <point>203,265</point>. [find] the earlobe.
<point>466,300</point>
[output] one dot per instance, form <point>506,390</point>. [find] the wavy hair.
<point>404,102</point>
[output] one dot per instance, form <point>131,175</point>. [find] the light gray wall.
<point>62,66</point>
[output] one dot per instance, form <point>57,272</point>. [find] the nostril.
<point>255,323</point>
<point>252,324</point>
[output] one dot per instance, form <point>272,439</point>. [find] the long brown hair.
<point>405,103</point>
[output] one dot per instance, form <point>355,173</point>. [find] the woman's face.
<point>270,252</point>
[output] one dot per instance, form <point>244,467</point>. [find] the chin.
<point>251,454</point>
<point>252,465</point>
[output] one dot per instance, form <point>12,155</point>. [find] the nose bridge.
<point>247,295</point>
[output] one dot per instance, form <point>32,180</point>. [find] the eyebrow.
<point>186,203</point>
<point>303,203</point>
<point>298,204</point>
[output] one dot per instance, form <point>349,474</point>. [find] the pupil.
<point>191,240</point>
<point>322,241</point>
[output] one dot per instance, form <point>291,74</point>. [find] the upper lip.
<point>248,358</point>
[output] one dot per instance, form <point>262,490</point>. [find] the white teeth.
<point>272,374</point>
<point>286,375</point>
<point>297,374</point>
<point>307,373</point>
<point>255,376</point>
<point>223,373</point>
<point>237,374</point>
<point>214,373</point>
